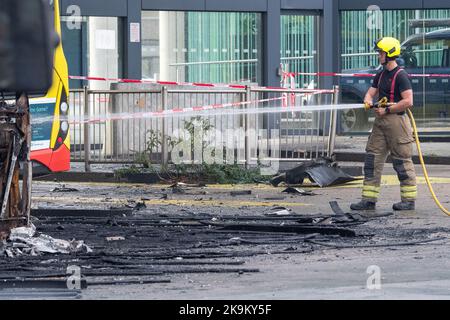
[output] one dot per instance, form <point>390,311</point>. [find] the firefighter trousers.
<point>391,134</point>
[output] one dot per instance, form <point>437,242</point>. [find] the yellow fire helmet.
<point>389,45</point>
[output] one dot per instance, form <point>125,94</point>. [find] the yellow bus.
<point>50,142</point>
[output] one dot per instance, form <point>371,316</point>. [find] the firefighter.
<point>391,132</point>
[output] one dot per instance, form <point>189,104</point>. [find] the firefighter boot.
<point>363,205</point>
<point>404,205</point>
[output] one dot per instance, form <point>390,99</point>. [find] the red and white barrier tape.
<point>192,84</point>
<point>177,111</point>
<point>336,74</point>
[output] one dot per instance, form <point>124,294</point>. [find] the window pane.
<point>201,46</point>
<point>425,50</point>
<point>93,46</point>
<point>299,47</point>
<point>428,53</point>
<point>360,30</point>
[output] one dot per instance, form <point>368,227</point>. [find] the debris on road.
<point>294,190</point>
<point>139,206</point>
<point>124,282</point>
<point>24,241</point>
<point>177,189</point>
<point>116,238</point>
<point>65,212</point>
<point>285,227</point>
<point>163,240</point>
<point>279,208</point>
<point>374,245</point>
<point>181,187</point>
<point>323,171</point>
<point>188,185</point>
<point>336,208</point>
<point>240,192</point>
<point>22,232</point>
<point>356,216</point>
<point>283,212</point>
<point>63,188</point>
<point>273,198</point>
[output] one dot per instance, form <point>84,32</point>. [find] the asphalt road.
<point>405,272</point>
<point>417,272</point>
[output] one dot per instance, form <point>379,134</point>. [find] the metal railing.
<point>118,125</point>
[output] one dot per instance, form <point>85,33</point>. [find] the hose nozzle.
<point>382,103</point>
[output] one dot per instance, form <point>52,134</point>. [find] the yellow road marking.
<point>386,180</point>
<point>104,184</point>
<point>160,185</point>
<point>391,180</point>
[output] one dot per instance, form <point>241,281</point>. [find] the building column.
<point>271,44</point>
<point>329,49</point>
<point>132,68</point>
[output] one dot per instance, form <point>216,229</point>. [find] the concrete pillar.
<point>330,52</point>
<point>132,68</point>
<point>271,43</point>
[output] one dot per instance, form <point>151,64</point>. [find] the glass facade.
<point>226,47</point>
<point>299,53</point>
<point>425,50</point>
<point>213,47</point>
<point>93,46</point>
<point>299,48</point>
<point>359,32</point>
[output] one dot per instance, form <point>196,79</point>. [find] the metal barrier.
<point>120,130</point>
<point>303,135</point>
<point>76,100</point>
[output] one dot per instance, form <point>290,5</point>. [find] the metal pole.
<point>333,122</point>
<point>27,170</point>
<point>87,145</point>
<point>164,146</point>
<point>247,97</point>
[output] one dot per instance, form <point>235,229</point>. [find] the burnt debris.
<point>148,246</point>
<point>323,171</point>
